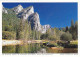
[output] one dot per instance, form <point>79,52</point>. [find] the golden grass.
<point>74,42</point>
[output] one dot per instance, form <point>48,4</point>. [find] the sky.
<point>55,14</point>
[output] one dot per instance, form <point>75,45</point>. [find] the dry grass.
<point>74,42</point>
<point>11,42</point>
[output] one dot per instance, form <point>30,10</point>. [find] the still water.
<point>35,48</point>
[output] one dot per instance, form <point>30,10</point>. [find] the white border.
<point>40,55</point>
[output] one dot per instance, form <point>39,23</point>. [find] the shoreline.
<point>11,42</point>
<point>20,42</point>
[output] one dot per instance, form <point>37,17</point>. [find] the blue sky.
<point>54,14</point>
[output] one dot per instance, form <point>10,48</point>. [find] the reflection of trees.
<point>28,48</point>
<point>8,49</point>
<point>21,49</point>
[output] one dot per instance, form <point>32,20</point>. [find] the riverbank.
<point>20,42</point>
<point>11,42</point>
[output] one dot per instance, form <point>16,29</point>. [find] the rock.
<point>32,17</point>
<point>25,13</point>
<point>28,14</point>
<point>17,9</point>
<point>35,21</point>
<point>45,28</point>
<point>4,10</point>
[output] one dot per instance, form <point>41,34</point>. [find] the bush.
<point>53,37</point>
<point>43,36</point>
<point>8,35</point>
<point>74,42</point>
<point>66,36</point>
<point>7,28</point>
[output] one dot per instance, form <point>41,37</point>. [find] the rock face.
<point>45,28</point>
<point>32,17</point>
<point>18,9</point>
<point>35,22</point>
<point>25,13</point>
<point>4,10</point>
<point>28,14</point>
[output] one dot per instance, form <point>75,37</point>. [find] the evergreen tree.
<point>74,30</point>
<point>72,23</point>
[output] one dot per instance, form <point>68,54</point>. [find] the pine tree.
<point>72,23</point>
<point>73,30</point>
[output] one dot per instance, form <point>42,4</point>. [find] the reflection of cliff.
<point>42,50</point>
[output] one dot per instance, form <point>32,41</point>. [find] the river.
<point>35,48</point>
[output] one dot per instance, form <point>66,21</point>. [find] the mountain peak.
<point>18,9</point>
<point>30,9</point>
<point>4,10</point>
<point>45,28</point>
<point>32,17</point>
<point>19,5</point>
<point>25,13</point>
<point>36,13</point>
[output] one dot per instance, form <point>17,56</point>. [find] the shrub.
<point>7,28</point>
<point>66,36</point>
<point>8,35</point>
<point>53,37</point>
<point>43,36</point>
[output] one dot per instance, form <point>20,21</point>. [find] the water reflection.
<point>42,50</point>
<point>8,49</point>
<point>65,50</point>
<point>26,48</point>
<point>35,48</point>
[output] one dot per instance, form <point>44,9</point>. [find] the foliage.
<point>9,49</point>
<point>74,30</point>
<point>51,34</point>
<point>74,42</point>
<point>8,35</point>
<point>7,28</point>
<point>12,26</point>
<point>43,36</point>
<point>66,36</point>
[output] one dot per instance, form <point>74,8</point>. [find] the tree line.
<point>15,28</point>
<point>65,34</point>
